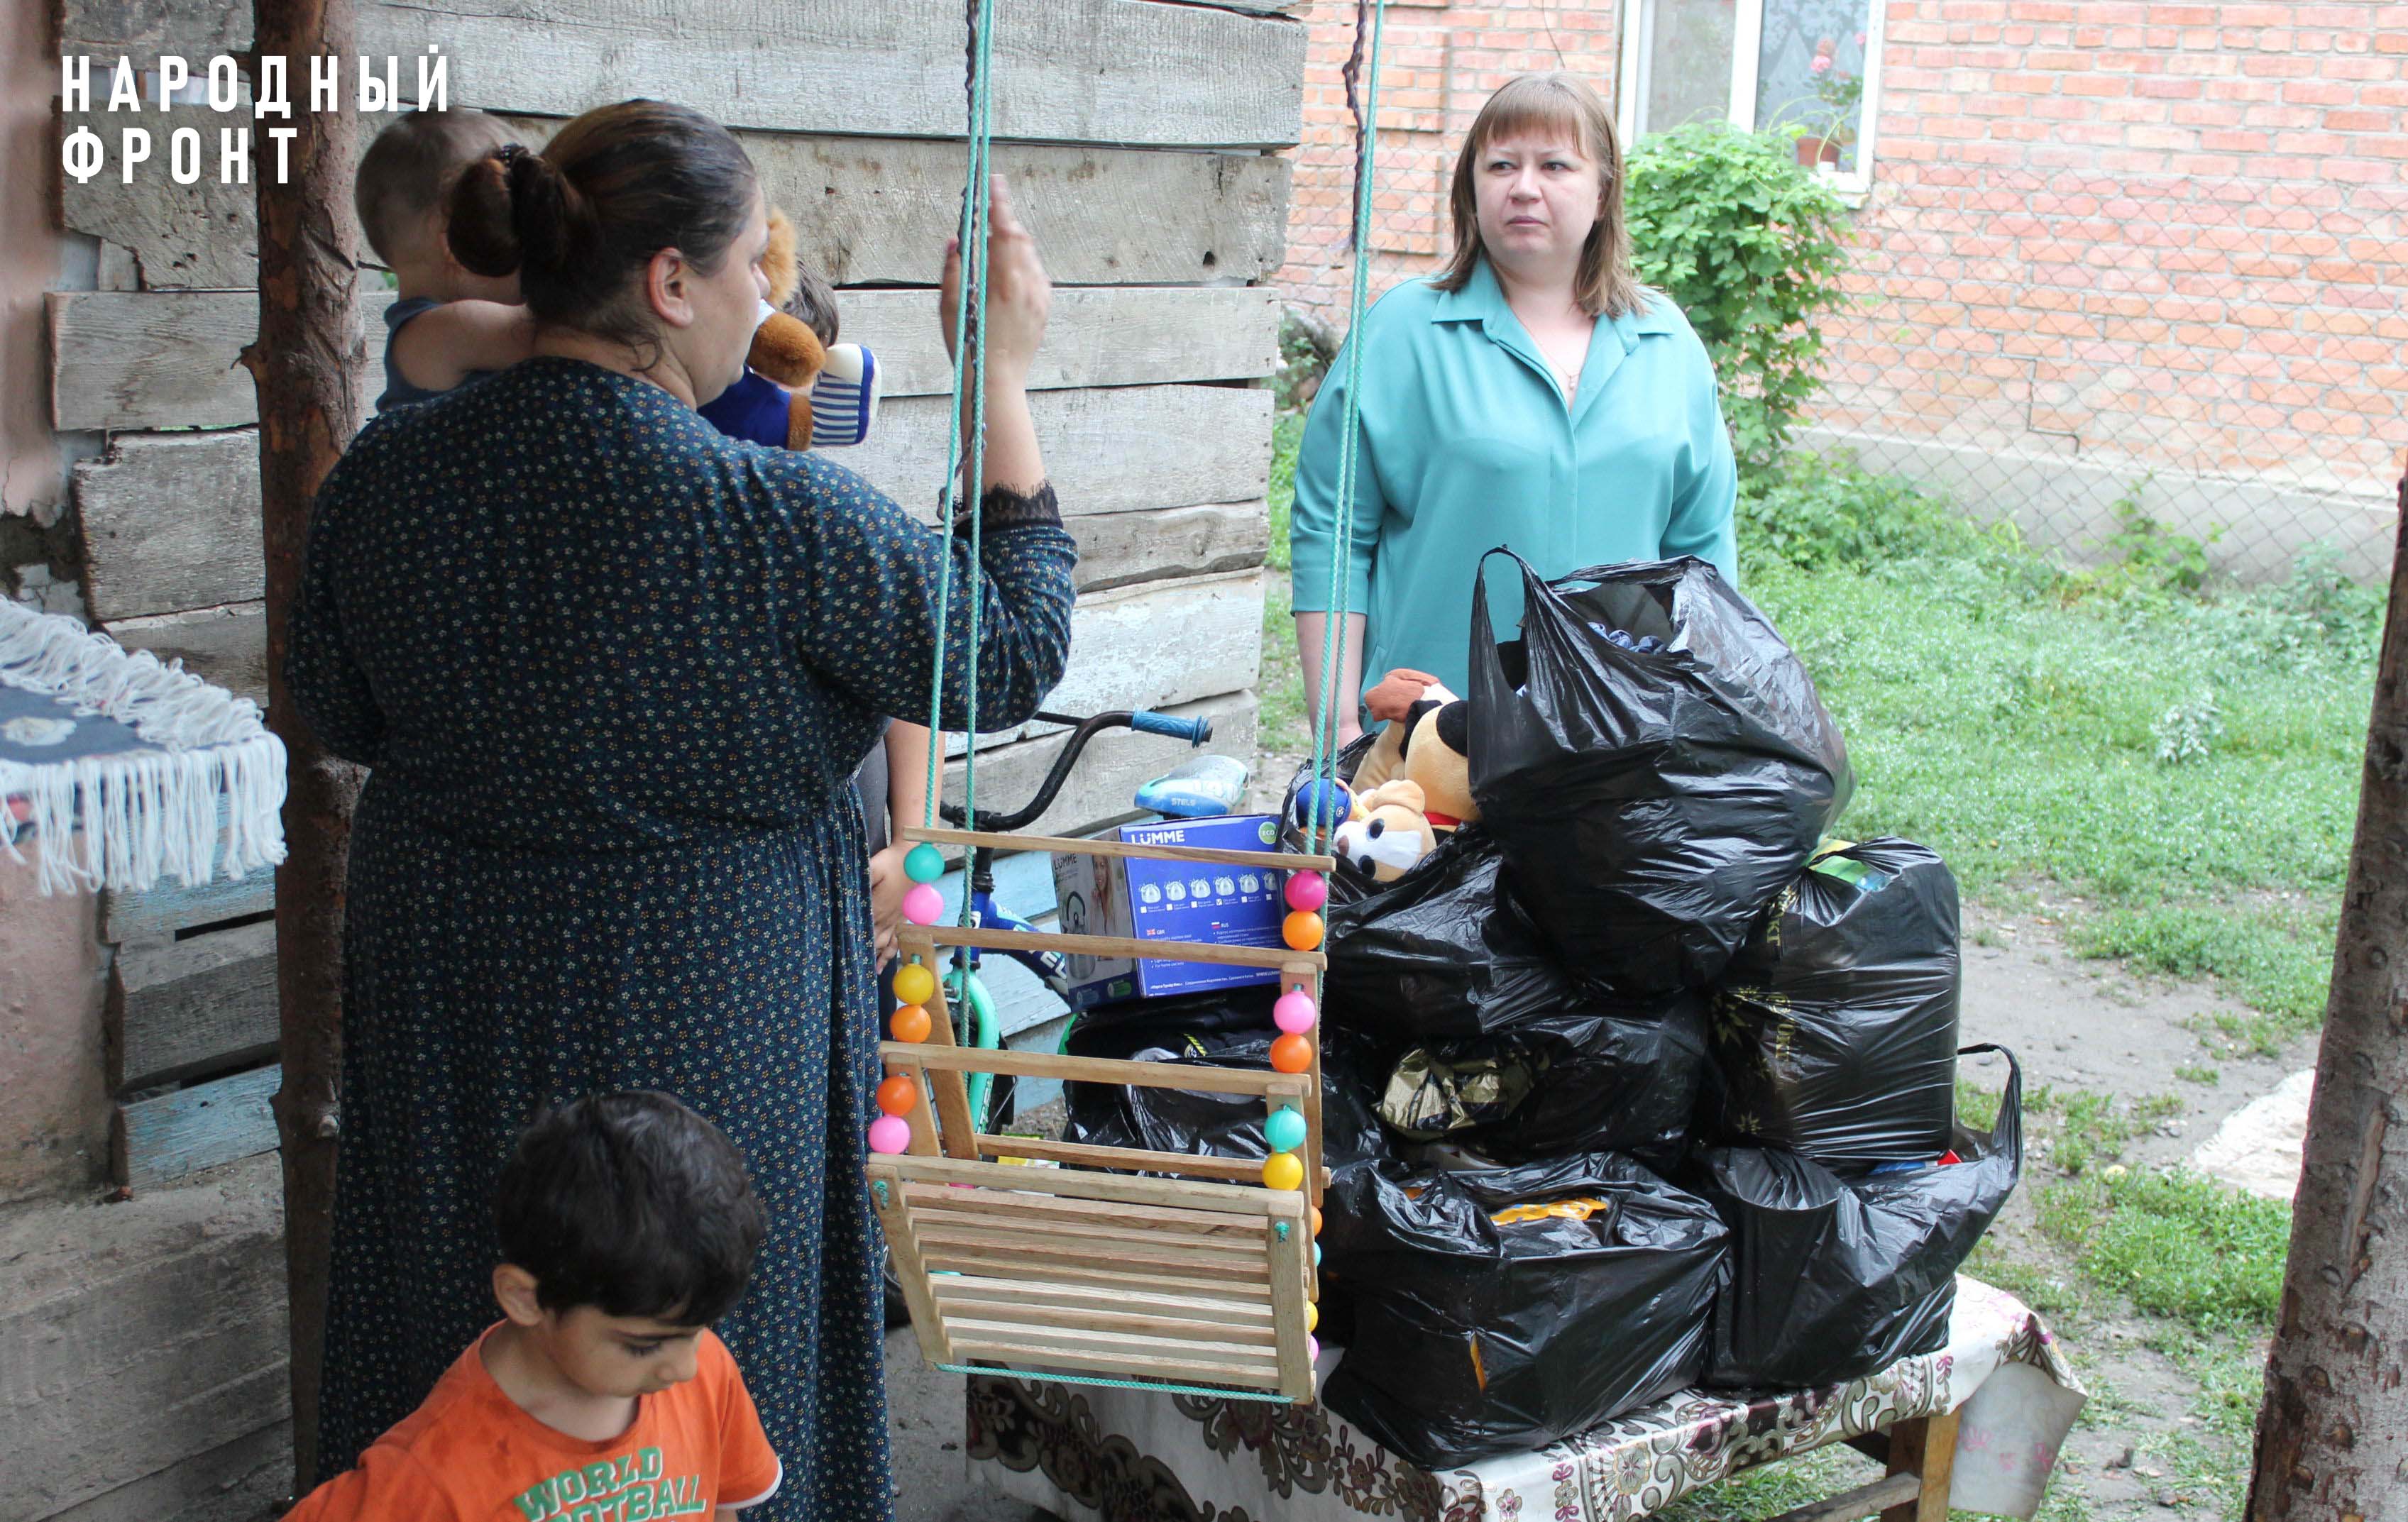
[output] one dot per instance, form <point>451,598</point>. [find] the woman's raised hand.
<point>1018,294</point>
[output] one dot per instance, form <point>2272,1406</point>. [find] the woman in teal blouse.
<point>1531,395</point>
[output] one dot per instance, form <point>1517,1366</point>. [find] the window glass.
<point>1685,62</point>
<point>1810,72</point>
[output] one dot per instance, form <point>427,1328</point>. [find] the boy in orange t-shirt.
<point>627,1227</point>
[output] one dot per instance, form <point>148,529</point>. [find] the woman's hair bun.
<point>514,209</point>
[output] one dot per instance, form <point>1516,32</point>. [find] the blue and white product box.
<point>1171,901</point>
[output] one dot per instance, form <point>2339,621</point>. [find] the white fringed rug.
<point>128,771</point>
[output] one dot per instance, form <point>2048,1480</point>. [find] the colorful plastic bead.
<point>897,1094</point>
<point>1316,1255</point>
<point>923,905</point>
<point>890,1133</point>
<point>1311,1317</point>
<point>1290,1054</point>
<point>1316,1218</point>
<point>923,864</point>
<point>1295,1013</point>
<point>914,984</point>
<point>911,1023</point>
<point>1284,1129</point>
<point>1307,890</point>
<point>1301,930</point>
<point>1312,1350</point>
<point>1283,1171</point>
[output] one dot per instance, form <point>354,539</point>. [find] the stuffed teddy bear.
<point>1428,739</point>
<point>1390,836</point>
<point>771,402</point>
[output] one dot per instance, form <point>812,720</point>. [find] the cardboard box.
<point>1171,901</point>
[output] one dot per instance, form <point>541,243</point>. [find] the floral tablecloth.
<point>1125,1455</point>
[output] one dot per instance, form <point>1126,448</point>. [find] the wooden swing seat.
<point>1084,1269</point>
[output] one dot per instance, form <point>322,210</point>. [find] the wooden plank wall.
<point>1142,140</point>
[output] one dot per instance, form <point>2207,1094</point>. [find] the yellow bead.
<point>914,984</point>
<point>1283,1171</point>
<point>1311,1317</point>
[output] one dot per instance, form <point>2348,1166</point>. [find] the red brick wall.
<point>2161,234</point>
<point>1440,60</point>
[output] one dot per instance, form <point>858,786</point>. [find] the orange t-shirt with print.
<point>470,1455</point>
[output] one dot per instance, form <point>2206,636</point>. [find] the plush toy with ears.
<point>773,402</point>
<point>1428,739</point>
<point>1391,835</point>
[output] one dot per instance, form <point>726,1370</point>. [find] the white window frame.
<point>1747,42</point>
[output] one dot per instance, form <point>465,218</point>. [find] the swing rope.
<point>1333,626</point>
<point>964,457</point>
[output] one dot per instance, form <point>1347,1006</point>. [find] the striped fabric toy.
<point>844,398</point>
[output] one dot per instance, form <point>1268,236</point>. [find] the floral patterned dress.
<point>610,671</point>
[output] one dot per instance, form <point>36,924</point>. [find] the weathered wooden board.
<point>153,916</point>
<point>1118,550</point>
<point>226,646</point>
<point>136,1337</point>
<point>868,210</point>
<point>166,359</point>
<point>192,1006</point>
<point>1154,646</point>
<point>171,523</point>
<point>1113,450</point>
<point>1084,71</point>
<point>170,520</point>
<point>155,1139</point>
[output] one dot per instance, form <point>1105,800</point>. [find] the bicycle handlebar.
<point>1194,731</point>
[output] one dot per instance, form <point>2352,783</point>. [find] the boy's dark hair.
<point>813,304</point>
<point>412,165</point>
<point>632,1204</point>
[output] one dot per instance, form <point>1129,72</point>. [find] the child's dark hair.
<point>813,304</point>
<point>632,1204</point>
<point>579,221</point>
<point>412,165</point>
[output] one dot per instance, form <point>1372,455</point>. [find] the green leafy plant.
<point>1753,247</point>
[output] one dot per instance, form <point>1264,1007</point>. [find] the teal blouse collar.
<point>1482,300</point>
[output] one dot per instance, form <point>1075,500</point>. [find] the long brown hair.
<point>579,222</point>
<point>1603,285</point>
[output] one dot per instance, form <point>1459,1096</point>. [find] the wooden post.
<point>1925,1448</point>
<point>310,407</point>
<point>2332,1437</point>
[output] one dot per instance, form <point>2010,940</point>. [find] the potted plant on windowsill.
<point>1841,94</point>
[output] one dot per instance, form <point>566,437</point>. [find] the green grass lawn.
<point>2172,775</point>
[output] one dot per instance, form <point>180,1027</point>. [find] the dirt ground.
<point>2072,1023</point>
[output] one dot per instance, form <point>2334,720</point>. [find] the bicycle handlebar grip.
<point>1194,731</point>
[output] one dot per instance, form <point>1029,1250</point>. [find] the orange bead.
<point>1290,1054</point>
<point>1316,1218</point>
<point>897,1094</point>
<point>911,1023</point>
<point>1301,930</point>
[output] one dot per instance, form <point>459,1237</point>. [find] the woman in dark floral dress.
<point>610,671</point>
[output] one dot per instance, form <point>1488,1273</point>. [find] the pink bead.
<point>890,1133</point>
<point>923,904</point>
<point>1307,892</point>
<point>1312,1350</point>
<point>1294,1013</point>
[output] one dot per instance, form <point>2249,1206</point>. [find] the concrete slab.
<point>2259,1146</point>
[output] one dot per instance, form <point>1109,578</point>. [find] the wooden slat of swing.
<point>1127,1159</point>
<point>941,1056</point>
<point>1245,1320</point>
<point>1036,1356</point>
<point>1215,1243</point>
<point>1069,1339</point>
<point>1064,846</point>
<point>1098,1273</point>
<point>942,1246</point>
<point>945,1196</point>
<point>920,940</point>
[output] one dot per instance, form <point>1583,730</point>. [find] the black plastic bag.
<point>1833,1278</point>
<point>1599,1073</point>
<point>1473,1338</point>
<point>1230,1028</point>
<point>1835,1030</point>
<point>1650,805</point>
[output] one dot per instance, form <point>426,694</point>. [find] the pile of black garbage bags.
<point>1642,1081</point>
